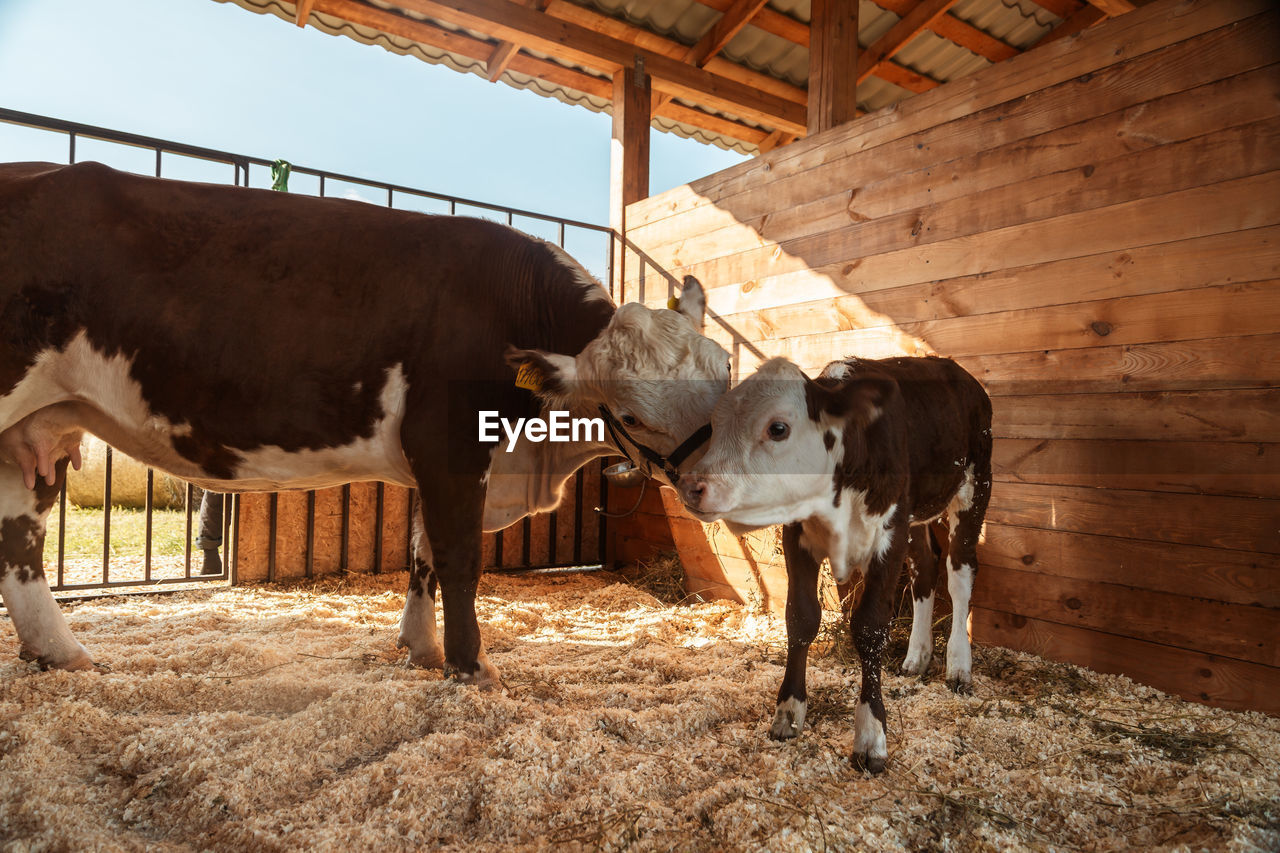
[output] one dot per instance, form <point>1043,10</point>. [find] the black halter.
<point>668,465</point>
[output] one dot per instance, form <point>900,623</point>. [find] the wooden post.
<point>628,162</point>
<point>833,63</point>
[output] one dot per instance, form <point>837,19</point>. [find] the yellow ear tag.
<point>673,303</point>
<point>529,377</point>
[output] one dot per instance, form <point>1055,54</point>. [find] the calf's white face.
<point>770,461</point>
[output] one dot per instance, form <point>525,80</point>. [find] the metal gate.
<point>573,535</point>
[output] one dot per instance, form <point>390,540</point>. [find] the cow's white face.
<point>652,369</point>
<point>768,462</point>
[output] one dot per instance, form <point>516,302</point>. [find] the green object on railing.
<point>280,170</point>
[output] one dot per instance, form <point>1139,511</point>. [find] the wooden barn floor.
<point>281,718</point>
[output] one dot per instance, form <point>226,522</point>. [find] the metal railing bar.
<point>106,517</point>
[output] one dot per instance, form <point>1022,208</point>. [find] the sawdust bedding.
<point>274,718</point>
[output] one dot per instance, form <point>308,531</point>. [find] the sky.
<point>213,74</point>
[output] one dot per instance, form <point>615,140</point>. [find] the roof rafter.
<point>910,26</point>
<point>506,20</point>
<point>429,34</point>
<point>302,11</point>
<point>730,24</point>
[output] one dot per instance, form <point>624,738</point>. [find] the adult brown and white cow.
<point>849,463</point>
<point>250,340</point>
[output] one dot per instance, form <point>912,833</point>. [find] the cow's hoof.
<point>76,659</point>
<point>484,676</point>
<point>872,764</point>
<point>961,683</point>
<point>788,721</point>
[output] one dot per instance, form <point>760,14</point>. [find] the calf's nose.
<point>692,490</point>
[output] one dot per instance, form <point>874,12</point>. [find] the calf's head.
<point>651,372</point>
<point>782,445</point>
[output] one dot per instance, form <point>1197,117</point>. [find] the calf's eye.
<point>630,420</point>
<point>778,431</point>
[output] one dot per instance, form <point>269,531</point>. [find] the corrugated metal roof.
<point>1017,23</point>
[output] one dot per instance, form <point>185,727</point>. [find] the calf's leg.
<point>923,566</point>
<point>804,617</point>
<point>418,622</point>
<point>43,634</point>
<point>870,628</point>
<point>967,511</point>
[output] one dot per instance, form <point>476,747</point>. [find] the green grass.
<point>128,533</point>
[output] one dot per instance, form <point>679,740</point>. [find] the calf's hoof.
<point>961,683</point>
<point>788,721</point>
<point>432,657</point>
<point>873,764</point>
<point>917,666</point>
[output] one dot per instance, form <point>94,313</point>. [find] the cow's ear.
<point>693,302</point>
<point>861,399</point>
<point>547,374</point>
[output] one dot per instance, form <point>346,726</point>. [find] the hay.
<point>272,718</point>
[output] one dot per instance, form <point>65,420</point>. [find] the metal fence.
<point>25,136</point>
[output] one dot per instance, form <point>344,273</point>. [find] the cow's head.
<point>779,440</point>
<point>651,374</point>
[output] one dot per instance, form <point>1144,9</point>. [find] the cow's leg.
<point>418,623</point>
<point>804,617</point>
<point>923,566</point>
<point>43,634</point>
<point>967,512</point>
<point>870,629</point>
<point>452,509</point>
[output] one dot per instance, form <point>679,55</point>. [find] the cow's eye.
<point>630,420</point>
<point>779,430</point>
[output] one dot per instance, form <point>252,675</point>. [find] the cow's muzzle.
<point>649,459</point>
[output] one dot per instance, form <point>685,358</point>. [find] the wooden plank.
<point>1214,574</point>
<point>302,11</point>
<point>1211,261</point>
<point>511,22</point>
<point>1236,309</point>
<point>1216,364</point>
<point>832,197</point>
<point>328,532</point>
<point>1214,468</point>
<point>291,535</point>
<point>779,278</point>
<point>512,538</point>
<point>1206,160</point>
<point>540,544</point>
<point>1203,678</point>
<point>1077,23</point>
<point>1244,416</point>
<point>922,14</point>
<point>1131,36</point>
<point>1243,524</point>
<point>833,62</point>
<point>1236,631</point>
<point>591,520</point>
<point>953,29</point>
<point>252,537</point>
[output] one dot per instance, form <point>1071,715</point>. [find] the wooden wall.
<point>1092,230</point>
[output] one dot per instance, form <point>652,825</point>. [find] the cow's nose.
<point>692,490</point>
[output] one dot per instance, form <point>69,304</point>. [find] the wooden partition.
<point>1091,229</point>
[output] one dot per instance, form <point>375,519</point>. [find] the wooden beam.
<point>833,60</point>
<point>472,48</point>
<point>955,30</point>
<point>777,139</point>
<point>500,59</point>
<point>730,24</point>
<point>1080,21</point>
<point>900,34</point>
<point>1113,7</point>
<point>628,159</point>
<point>1062,8</point>
<point>512,22</point>
<point>302,11</point>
